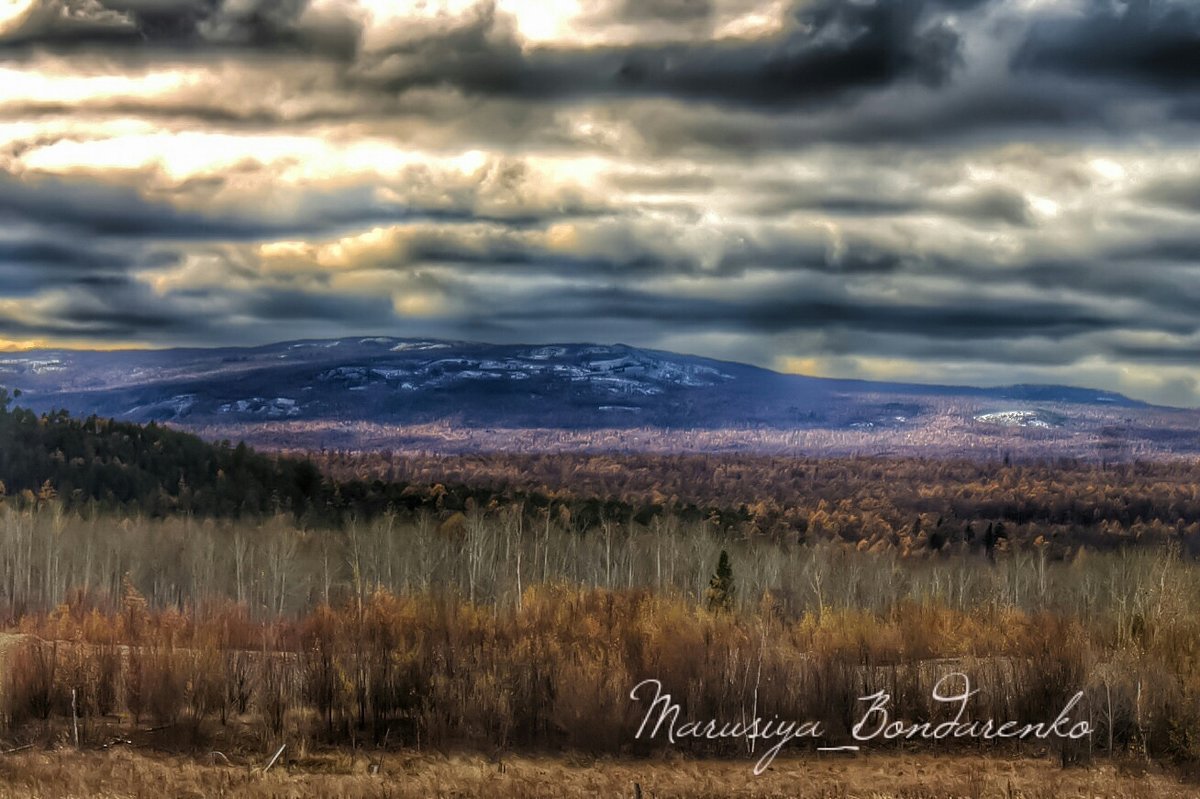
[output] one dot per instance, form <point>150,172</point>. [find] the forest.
<point>920,507</point>
<point>160,591</point>
<point>497,637</point>
<point>144,468</point>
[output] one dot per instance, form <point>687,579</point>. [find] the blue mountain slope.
<point>570,386</point>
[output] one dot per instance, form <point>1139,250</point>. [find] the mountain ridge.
<point>1013,389</point>
<point>405,382</point>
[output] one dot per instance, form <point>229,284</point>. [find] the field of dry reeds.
<point>443,652</point>
<point>124,774</point>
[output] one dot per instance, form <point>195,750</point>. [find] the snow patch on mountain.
<point>1016,418</point>
<point>272,408</point>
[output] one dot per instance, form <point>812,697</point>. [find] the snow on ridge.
<point>1014,418</point>
<point>545,353</point>
<point>274,407</point>
<point>420,346</point>
<point>36,365</point>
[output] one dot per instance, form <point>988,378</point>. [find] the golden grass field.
<point>66,774</point>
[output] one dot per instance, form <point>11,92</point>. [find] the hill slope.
<point>355,390</point>
<point>149,467</point>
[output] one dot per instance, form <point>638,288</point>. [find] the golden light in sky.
<point>848,184</point>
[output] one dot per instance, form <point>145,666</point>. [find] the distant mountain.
<point>356,389</point>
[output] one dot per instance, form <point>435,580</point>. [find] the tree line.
<point>430,668</point>
<point>918,507</point>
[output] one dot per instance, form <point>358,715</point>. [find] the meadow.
<point>123,773</point>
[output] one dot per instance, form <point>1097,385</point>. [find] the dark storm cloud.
<point>509,257</point>
<point>109,310</point>
<point>832,55</point>
<point>990,205</point>
<point>1164,290</point>
<point>57,257</point>
<point>1185,355</point>
<point>117,307</point>
<point>30,265</point>
<point>1042,111</point>
<point>982,321</point>
<point>1180,249</point>
<point>65,22</point>
<point>170,25</point>
<point>623,250</point>
<point>834,47</point>
<point>1186,110</point>
<point>832,50</point>
<point>96,208</point>
<point>668,10</point>
<point>91,207</point>
<point>1182,193</point>
<point>289,305</point>
<point>1147,41</point>
<point>118,321</point>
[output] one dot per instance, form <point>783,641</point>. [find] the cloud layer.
<point>980,191</point>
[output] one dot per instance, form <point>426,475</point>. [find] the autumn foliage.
<point>435,670</point>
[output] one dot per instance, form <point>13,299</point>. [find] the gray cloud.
<point>1177,192</point>
<point>670,10</point>
<point>836,47</point>
<point>867,72</point>
<point>85,205</point>
<point>982,321</point>
<point>945,190</point>
<point>1148,41</point>
<point>832,47</point>
<point>170,25</point>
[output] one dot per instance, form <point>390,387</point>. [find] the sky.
<point>953,191</point>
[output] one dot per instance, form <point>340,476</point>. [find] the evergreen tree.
<point>721,590</point>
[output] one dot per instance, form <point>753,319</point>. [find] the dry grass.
<point>10,644</point>
<point>109,775</point>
